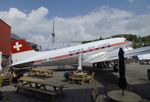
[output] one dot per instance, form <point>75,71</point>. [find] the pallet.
<point>5,81</point>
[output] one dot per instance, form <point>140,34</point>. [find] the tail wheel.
<point>94,65</point>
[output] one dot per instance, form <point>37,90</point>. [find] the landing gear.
<point>101,65</point>
<point>97,65</point>
<point>94,65</point>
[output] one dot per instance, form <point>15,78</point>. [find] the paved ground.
<point>105,79</point>
<point>137,77</point>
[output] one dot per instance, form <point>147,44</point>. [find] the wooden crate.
<point>5,81</point>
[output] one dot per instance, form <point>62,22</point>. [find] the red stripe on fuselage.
<point>89,50</point>
<point>122,43</point>
<point>62,56</point>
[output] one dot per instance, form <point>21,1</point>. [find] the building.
<point>36,47</point>
<point>5,42</point>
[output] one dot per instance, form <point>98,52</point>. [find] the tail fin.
<point>20,46</point>
<point>21,50</point>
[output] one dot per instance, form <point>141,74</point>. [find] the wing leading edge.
<point>108,56</point>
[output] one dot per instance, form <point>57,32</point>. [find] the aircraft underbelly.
<point>66,61</point>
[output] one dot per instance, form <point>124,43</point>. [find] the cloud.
<point>35,26</point>
<point>28,26</point>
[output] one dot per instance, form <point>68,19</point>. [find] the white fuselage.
<point>70,55</point>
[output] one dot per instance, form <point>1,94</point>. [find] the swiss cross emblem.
<point>17,46</point>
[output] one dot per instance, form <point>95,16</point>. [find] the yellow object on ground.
<point>5,80</point>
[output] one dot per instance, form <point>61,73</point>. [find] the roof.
<point>5,23</point>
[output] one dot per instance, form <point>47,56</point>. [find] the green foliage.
<point>129,37</point>
<point>136,40</point>
<point>146,40</point>
<point>83,42</point>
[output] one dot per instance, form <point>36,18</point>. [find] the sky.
<point>75,20</point>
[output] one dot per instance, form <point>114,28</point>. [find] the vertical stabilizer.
<point>21,50</point>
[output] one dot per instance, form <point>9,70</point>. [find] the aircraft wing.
<point>144,56</point>
<point>113,54</point>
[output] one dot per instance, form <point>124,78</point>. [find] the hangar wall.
<point>5,45</point>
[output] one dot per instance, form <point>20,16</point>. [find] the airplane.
<point>144,58</point>
<point>93,52</point>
